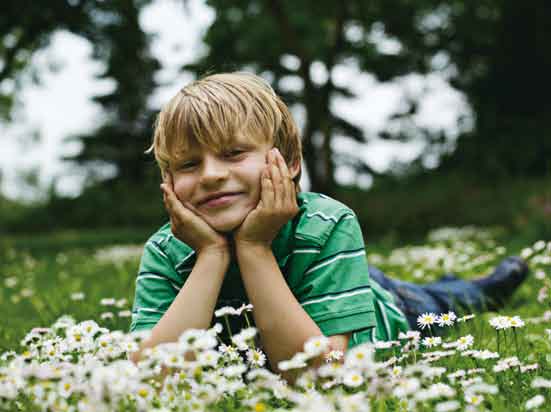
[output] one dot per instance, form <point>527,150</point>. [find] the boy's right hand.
<point>189,227</point>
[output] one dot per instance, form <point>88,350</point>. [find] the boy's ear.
<point>294,169</point>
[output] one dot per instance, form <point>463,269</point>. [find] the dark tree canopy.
<point>493,51</point>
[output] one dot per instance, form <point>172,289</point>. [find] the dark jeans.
<point>446,294</point>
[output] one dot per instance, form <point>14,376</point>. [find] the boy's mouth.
<point>218,199</point>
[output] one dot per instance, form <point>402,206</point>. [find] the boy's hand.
<point>188,226</point>
<point>277,205</point>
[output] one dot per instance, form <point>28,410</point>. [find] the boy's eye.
<point>233,152</point>
<point>187,165</point>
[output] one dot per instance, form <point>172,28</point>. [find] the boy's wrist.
<point>220,254</point>
<point>251,248</point>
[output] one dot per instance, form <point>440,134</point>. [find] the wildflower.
<point>233,371</point>
<point>540,382</point>
<point>466,318</point>
<point>316,345</point>
<point>473,398</point>
<point>26,292</point>
<point>226,310</point>
<point>431,341</point>
<point>506,363</point>
<point>482,387</point>
<point>296,362</point>
<point>540,274</point>
<point>107,301</point>
<point>539,246</point>
<point>208,358</point>
<point>516,322</point>
<point>353,379</point>
<point>124,314</point>
<point>386,344</point>
<point>406,386</point>
<point>465,342</point>
<point>426,319</point>
<point>244,308</point>
<point>526,253</point>
<point>446,319</point>
<point>447,406</point>
<point>10,282</point>
<point>360,356</point>
<point>528,368</point>
<point>410,334</point>
<point>256,357</point>
<point>121,303</point>
<point>240,340</point>
<point>353,403</point>
<point>484,354</point>
<point>229,351</point>
<point>77,296</point>
<point>543,294</point>
<point>334,355</point>
<point>500,322</point>
<point>434,391</point>
<point>107,315</point>
<point>535,402</point>
<point>396,371</point>
<point>65,388</point>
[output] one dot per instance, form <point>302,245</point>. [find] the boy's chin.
<point>227,227</point>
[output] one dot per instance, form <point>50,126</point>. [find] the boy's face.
<point>234,173</point>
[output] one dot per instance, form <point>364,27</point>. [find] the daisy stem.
<point>247,319</point>
<point>497,340</point>
<point>249,325</point>
<point>228,325</point>
<point>516,343</point>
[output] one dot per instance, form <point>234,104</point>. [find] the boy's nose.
<point>213,169</point>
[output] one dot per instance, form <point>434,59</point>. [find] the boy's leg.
<point>451,293</point>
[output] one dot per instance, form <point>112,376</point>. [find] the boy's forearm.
<point>283,324</point>
<point>194,305</point>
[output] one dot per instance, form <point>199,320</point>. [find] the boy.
<point>241,231</point>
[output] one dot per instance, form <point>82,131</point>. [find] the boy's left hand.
<point>277,205</point>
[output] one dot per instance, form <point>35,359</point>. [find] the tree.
<point>126,132</point>
<point>119,42</point>
<point>483,46</point>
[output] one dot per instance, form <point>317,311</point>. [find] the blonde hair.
<point>214,110</point>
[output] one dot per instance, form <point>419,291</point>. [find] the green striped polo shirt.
<point>321,254</point>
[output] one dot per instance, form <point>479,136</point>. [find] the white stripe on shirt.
<point>151,276</point>
<point>158,249</point>
<point>337,297</point>
<point>343,255</point>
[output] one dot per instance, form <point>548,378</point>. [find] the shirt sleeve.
<point>335,290</point>
<point>157,285</point>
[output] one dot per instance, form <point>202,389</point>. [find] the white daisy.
<point>432,341</point>
<point>426,319</point>
<point>353,379</point>
<point>316,345</point>
<point>535,402</point>
<point>465,342</point>
<point>446,319</point>
<point>256,357</point>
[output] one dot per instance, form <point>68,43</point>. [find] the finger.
<point>288,194</point>
<point>277,180</point>
<point>267,189</point>
<point>173,204</point>
<point>169,180</point>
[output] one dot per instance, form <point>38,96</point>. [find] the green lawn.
<point>45,277</point>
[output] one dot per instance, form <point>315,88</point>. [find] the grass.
<point>41,275</point>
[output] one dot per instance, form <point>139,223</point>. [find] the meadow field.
<point>66,300</point>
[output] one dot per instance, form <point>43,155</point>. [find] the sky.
<point>60,105</point>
